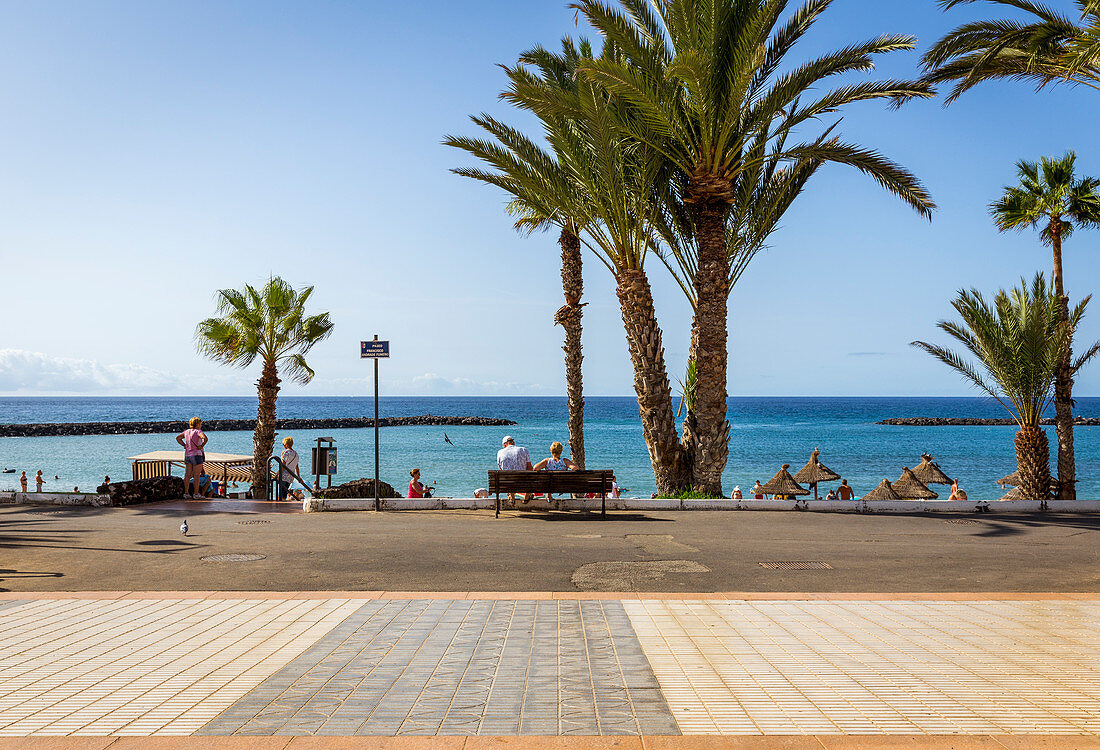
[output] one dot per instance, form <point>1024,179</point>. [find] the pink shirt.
<point>192,442</point>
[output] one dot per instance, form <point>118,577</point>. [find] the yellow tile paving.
<point>145,666</point>
<point>867,667</point>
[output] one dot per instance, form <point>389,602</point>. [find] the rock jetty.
<point>228,425</point>
<point>968,421</point>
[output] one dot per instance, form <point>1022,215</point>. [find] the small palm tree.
<point>269,324</point>
<point>1018,342</point>
<point>1048,48</point>
<point>1051,198</point>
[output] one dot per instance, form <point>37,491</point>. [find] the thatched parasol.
<point>909,487</point>
<point>885,491</point>
<point>929,472</point>
<point>1013,494</point>
<point>1011,480</point>
<point>814,471</point>
<point>783,484</point>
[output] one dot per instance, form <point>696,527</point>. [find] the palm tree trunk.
<point>711,432</point>
<point>643,337</point>
<point>572,284</point>
<point>1033,462</point>
<point>1063,381</point>
<point>263,439</point>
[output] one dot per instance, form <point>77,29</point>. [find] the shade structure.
<point>1010,480</point>
<point>884,491</point>
<point>814,471</point>
<point>929,472</point>
<point>783,484</point>
<point>1013,494</point>
<point>909,487</point>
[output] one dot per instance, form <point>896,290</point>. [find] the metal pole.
<point>377,504</point>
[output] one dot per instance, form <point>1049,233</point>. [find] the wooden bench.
<point>552,483</point>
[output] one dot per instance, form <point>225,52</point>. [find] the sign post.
<point>375,350</point>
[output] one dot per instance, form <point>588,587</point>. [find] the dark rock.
<point>358,488</point>
<point>144,490</point>
<point>970,421</point>
<point>230,425</point>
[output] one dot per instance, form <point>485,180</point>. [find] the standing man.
<point>38,480</point>
<point>512,457</point>
<point>289,458</point>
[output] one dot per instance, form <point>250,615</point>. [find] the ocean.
<point>766,432</point>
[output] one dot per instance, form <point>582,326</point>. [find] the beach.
<point>766,432</point>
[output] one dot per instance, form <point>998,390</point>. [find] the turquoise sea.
<point>766,432</point>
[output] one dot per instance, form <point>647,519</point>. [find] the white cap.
<point>507,439</point>
<point>736,486</point>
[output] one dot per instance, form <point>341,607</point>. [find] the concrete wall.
<point>54,498</point>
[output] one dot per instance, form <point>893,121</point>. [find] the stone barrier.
<point>143,490</point>
<point>974,422</point>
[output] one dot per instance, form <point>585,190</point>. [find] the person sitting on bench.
<point>512,457</point>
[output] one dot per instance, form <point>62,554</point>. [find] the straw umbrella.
<point>884,491</point>
<point>909,487</point>
<point>783,484</point>
<point>1010,480</point>
<point>929,472</point>
<point>814,471</point>
<point>1013,494</point>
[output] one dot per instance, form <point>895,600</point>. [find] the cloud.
<point>437,385</point>
<point>23,371</point>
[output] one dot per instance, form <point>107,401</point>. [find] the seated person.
<point>831,496</point>
<point>206,489</point>
<point>844,491</point>
<point>736,494</point>
<point>416,489</point>
<point>555,462</point>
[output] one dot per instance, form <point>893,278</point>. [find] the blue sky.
<point>151,153</point>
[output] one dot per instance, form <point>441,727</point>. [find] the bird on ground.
<point>183,527</point>
<point>446,439</point>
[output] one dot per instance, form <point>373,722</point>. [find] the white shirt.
<point>513,458</point>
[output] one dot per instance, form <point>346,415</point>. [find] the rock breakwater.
<point>47,429</point>
<point>969,422</point>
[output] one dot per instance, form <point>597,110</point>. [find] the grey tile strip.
<point>463,667</point>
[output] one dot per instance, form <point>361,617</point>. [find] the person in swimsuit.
<point>23,481</point>
<point>416,489</point>
<point>844,491</point>
<point>38,481</point>
<point>193,440</point>
<point>757,491</point>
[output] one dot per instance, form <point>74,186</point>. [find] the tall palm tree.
<point>1051,198</point>
<point>543,195</point>
<point>618,178</point>
<point>1018,341</point>
<point>698,81</point>
<point>1047,48</point>
<point>269,324</point>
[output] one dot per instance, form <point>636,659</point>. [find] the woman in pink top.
<point>193,441</point>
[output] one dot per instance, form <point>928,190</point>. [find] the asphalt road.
<point>141,548</point>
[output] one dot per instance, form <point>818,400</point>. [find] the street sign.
<point>374,350</point>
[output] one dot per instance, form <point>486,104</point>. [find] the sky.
<point>153,153</point>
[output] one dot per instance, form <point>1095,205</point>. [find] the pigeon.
<point>446,439</point>
<point>183,527</point>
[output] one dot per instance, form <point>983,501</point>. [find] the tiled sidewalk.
<point>550,664</point>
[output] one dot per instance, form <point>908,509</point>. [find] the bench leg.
<point>498,505</point>
<point>603,505</point>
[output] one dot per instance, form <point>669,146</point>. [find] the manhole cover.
<point>962,521</point>
<point>234,557</point>
<point>253,522</point>
<point>48,512</point>
<point>796,565</point>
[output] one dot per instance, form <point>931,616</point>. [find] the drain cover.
<point>796,565</point>
<point>253,522</point>
<point>48,512</point>
<point>234,557</point>
<point>962,521</point>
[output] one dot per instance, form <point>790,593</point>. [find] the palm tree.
<point>1049,48</point>
<point>699,82</point>
<point>269,324</point>
<point>1051,198</point>
<point>543,195</point>
<point>1018,341</point>
<point>617,179</point>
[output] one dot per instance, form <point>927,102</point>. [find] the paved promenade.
<point>650,670</point>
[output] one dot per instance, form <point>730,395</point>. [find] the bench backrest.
<point>553,482</point>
